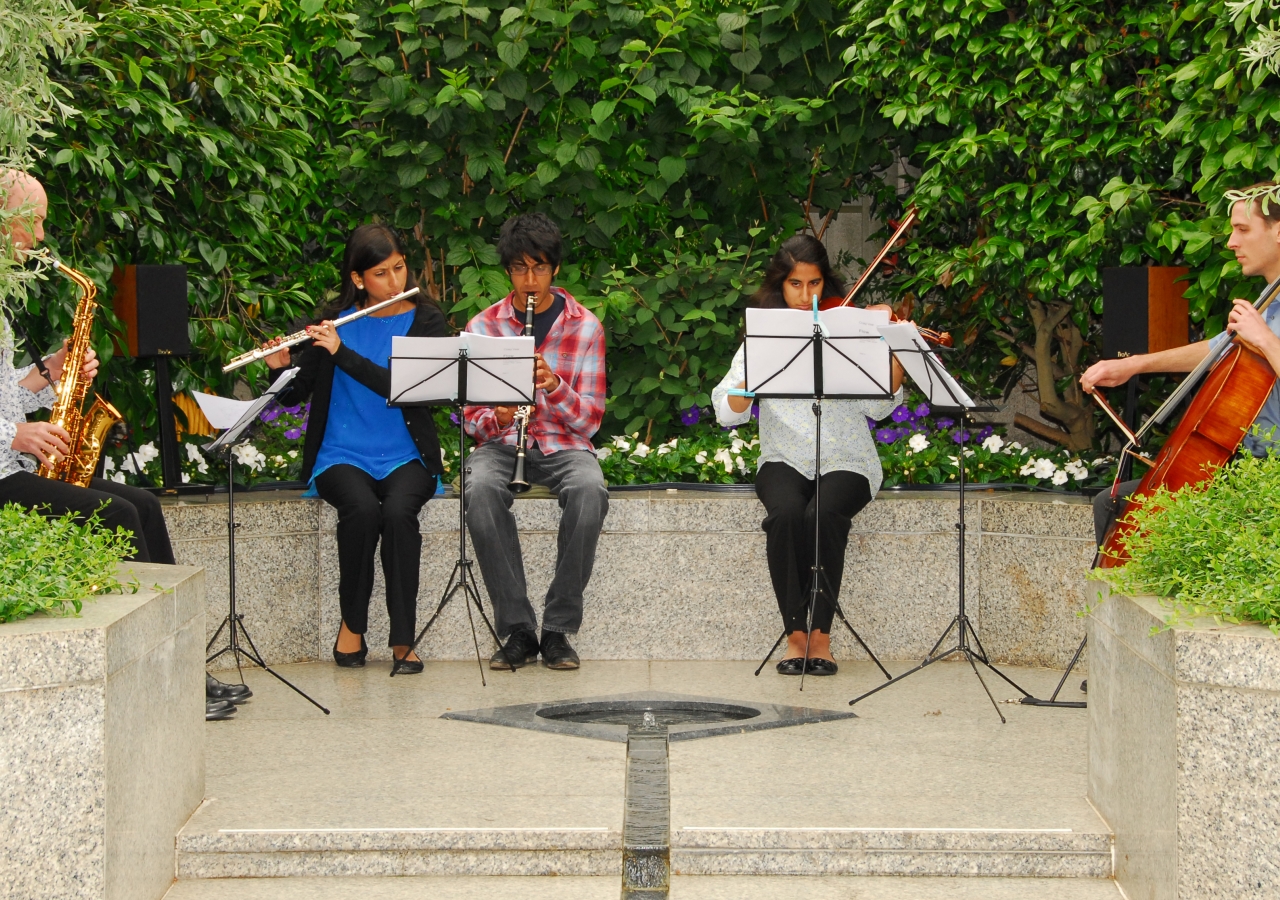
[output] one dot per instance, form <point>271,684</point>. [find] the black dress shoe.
<point>521,650</point>
<point>1084,686</point>
<point>405,666</point>
<point>351,660</point>
<point>793,666</point>
<point>217,690</point>
<point>822,667</point>
<point>556,652</point>
<point>218,709</point>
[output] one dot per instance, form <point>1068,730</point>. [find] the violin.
<point>936,338</point>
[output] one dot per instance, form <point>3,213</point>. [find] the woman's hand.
<point>325,335</point>
<point>280,358</point>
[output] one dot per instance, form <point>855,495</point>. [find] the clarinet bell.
<point>518,484</point>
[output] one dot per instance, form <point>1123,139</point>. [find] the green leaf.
<point>746,60</point>
<point>547,172</point>
<point>603,110</point>
<point>731,21</point>
<point>311,7</point>
<point>672,168</point>
<point>512,52</point>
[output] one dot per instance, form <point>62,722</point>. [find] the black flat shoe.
<point>405,666</point>
<point>351,660</point>
<point>218,709</point>
<point>822,667</point>
<point>793,666</point>
<point>521,650</point>
<point>217,690</point>
<point>557,653</point>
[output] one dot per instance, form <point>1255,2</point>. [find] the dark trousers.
<point>133,509</point>
<point>369,509</point>
<point>1106,510</point>
<point>788,500</point>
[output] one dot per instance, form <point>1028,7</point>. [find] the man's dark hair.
<point>532,235</point>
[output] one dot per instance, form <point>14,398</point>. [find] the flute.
<point>299,336</point>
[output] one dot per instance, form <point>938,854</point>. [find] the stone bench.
<point>679,575</point>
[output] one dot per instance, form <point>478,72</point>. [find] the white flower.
<point>622,443</point>
<point>147,452</point>
<point>968,452</point>
<point>663,449</point>
<point>672,443</point>
<point>127,465</point>
<point>918,442</point>
<point>642,450</point>
<point>118,478</point>
<point>108,465</point>
<point>278,460</point>
<point>1059,477</point>
<point>722,456</point>
<point>1044,468</point>
<point>194,455</point>
<point>700,457</point>
<point>186,479</point>
<point>250,456</point>
<point>993,443</point>
<point>1014,445</point>
<point>604,452</point>
<point>733,432</point>
<point>293,454</point>
<point>737,445</point>
<point>742,465</point>
<point>1028,468</point>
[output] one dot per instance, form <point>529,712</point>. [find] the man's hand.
<point>504,415</point>
<point>43,440</point>
<point>1249,324</point>
<point>1108,373</point>
<point>326,336</point>
<point>57,362</point>
<point>543,377</point>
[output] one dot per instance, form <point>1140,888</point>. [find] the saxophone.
<point>87,430</point>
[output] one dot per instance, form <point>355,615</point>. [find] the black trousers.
<point>788,500</point>
<point>369,509</point>
<point>1106,510</point>
<point>133,509</point>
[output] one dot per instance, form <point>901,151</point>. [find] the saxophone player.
<point>25,444</point>
<point>570,395</point>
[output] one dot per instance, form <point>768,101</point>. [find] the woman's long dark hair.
<point>367,246</point>
<point>802,248</point>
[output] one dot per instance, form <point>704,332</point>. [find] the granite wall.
<point>102,750</point>
<point>680,575</point>
<point>1183,725</point>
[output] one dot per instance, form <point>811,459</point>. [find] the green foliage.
<point>52,564</point>
<point>1211,549</point>
<point>1053,139</point>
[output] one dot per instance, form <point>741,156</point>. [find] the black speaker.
<point>151,301</point>
<point>1143,310</point>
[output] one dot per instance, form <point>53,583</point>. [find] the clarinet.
<point>519,484</point>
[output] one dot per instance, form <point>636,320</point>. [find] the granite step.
<point>701,851</point>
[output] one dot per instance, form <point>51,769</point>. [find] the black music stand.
<point>811,387</point>
<point>945,393</point>
<point>434,372</point>
<point>233,622</point>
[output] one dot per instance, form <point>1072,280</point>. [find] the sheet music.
<point>779,354</point>
<point>222,412</point>
<point>499,369</point>
<point>924,367</point>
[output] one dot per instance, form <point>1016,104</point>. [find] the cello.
<point>937,338</point>
<point>1237,381</point>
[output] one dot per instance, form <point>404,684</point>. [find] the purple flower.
<point>691,415</point>
<point>270,414</point>
<point>293,410</point>
<point>901,414</point>
<point>985,432</point>
<point>945,423</point>
<point>886,435</point>
<point>755,411</point>
<point>293,434</point>
<point>871,423</point>
<point>453,417</point>
<point>960,436</point>
<point>922,410</point>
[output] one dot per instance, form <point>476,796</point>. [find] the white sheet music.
<point>779,354</point>
<point>924,367</point>
<point>499,371</point>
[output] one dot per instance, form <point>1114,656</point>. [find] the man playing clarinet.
<point>570,394</point>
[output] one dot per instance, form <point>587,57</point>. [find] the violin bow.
<point>907,221</point>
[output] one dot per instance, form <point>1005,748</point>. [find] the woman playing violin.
<point>851,472</point>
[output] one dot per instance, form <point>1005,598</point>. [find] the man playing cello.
<point>1255,240</point>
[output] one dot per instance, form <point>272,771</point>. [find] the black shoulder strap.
<point>21,333</point>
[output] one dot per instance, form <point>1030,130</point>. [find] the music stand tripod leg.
<point>782,637</point>
<point>1053,700</point>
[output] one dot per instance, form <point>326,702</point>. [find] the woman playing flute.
<point>377,466</point>
<point>851,472</point>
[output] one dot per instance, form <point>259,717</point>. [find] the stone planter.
<point>102,749</point>
<point>1184,726</point>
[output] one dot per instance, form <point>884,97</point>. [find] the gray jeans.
<point>584,502</point>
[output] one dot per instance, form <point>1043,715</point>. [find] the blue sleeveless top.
<point>362,431</point>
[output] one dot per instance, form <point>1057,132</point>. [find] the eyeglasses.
<point>541,269</point>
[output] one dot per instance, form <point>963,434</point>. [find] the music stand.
<point>943,392</point>
<point>234,620</point>
<point>468,369</point>
<point>785,348</point>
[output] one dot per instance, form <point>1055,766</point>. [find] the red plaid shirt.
<point>566,418</point>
